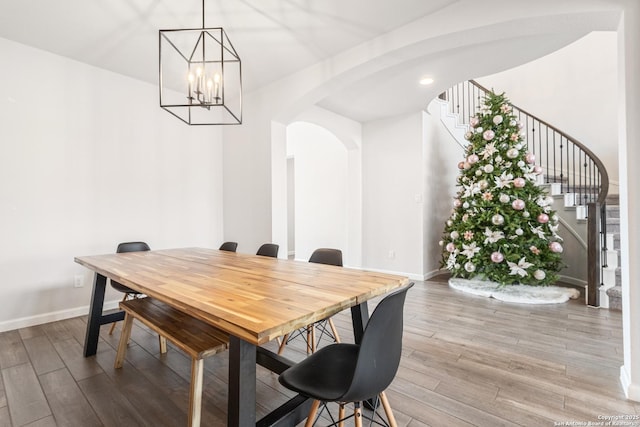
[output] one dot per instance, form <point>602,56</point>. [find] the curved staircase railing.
<point>569,164</point>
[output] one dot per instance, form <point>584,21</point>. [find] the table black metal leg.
<point>95,315</point>
<point>241,405</point>
<point>359,319</point>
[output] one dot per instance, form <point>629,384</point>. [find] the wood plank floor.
<point>467,361</point>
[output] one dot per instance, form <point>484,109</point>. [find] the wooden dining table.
<point>254,299</point>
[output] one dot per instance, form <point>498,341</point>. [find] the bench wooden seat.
<point>195,337</point>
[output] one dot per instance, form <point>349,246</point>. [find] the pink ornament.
<point>537,170</point>
<point>466,165</point>
<point>460,165</point>
<point>530,158</point>
<point>497,257</point>
<point>543,218</point>
<point>450,247</point>
<point>488,135</point>
<point>474,121</point>
<point>518,204</point>
<point>519,182</point>
<point>555,247</point>
<point>473,158</point>
<point>457,203</point>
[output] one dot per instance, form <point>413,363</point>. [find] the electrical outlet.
<point>392,254</point>
<point>78,281</point>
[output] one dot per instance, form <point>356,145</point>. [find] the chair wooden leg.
<point>124,340</point>
<point>195,395</point>
<point>334,331</point>
<point>283,343</point>
<point>162,342</point>
<point>357,412</point>
<point>341,415</point>
<point>387,410</point>
<point>309,339</point>
<point>113,325</point>
<point>313,339</point>
<point>312,413</point>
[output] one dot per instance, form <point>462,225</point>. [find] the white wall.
<point>629,131</point>
<point>321,175</point>
<point>88,159</point>
<point>441,157</point>
<point>392,195</point>
<point>574,89</point>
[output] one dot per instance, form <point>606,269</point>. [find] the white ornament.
<point>497,219</point>
<point>465,205</point>
<point>497,120</point>
<point>470,267</point>
<point>526,214</point>
<point>455,234</point>
<point>512,153</point>
<point>488,168</point>
<point>504,198</point>
<point>478,172</point>
<point>539,274</point>
<point>519,232</point>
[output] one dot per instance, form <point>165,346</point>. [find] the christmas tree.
<point>502,227</point>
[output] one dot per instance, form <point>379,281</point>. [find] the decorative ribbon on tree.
<point>502,227</point>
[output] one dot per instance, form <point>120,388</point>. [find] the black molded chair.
<point>128,292</point>
<point>268,249</point>
<point>229,246</point>
<point>326,327</point>
<point>352,373</point>
<point>131,293</point>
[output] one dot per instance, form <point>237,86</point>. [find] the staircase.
<point>574,174</point>
<point>611,290</point>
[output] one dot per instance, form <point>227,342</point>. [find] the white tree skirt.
<point>524,294</point>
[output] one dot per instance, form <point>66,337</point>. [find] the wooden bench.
<point>195,337</point>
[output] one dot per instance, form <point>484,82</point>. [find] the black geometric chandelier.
<point>200,76</point>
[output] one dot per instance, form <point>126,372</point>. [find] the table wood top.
<point>252,297</point>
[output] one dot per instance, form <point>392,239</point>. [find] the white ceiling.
<point>274,39</point>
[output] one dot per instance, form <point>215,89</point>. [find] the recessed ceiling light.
<point>426,81</point>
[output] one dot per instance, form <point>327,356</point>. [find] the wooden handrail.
<point>604,184</point>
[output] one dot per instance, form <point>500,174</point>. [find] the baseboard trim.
<point>631,391</point>
<point>39,319</point>
<point>572,281</point>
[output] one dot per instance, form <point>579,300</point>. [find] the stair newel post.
<point>594,221</point>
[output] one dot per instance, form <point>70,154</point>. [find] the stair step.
<point>613,211</point>
<point>613,225</point>
<point>613,199</point>
<point>615,298</point>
